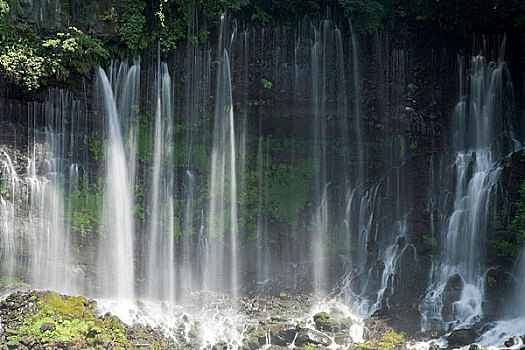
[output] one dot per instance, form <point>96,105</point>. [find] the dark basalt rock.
<point>461,337</point>
<point>282,334</point>
<point>306,335</point>
<point>323,322</point>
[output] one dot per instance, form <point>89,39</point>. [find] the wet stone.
<point>307,335</point>
<point>344,340</point>
<point>13,344</point>
<point>510,342</point>
<point>47,326</point>
<point>461,337</point>
<point>433,346</point>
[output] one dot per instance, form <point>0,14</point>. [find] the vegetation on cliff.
<point>31,56</point>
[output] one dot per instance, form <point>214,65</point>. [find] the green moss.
<point>85,206</point>
<point>94,148</point>
<point>289,189</point>
<point>322,315</point>
<point>145,138</point>
<point>430,241</point>
<point>62,318</point>
<point>388,341</point>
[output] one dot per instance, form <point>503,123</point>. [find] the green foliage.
<point>28,61</point>
<point>85,207</point>
<point>77,50</point>
<point>213,8</point>
<point>70,319</point>
<point>412,86</point>
<point>23,65</point>
<point>170,28</point>
<point>266,83</point>
<point>132,25</point>
<point>4,7</point>
<point>4,191</point>
<point>388,341</point>
<point>430,241</point>
<point>288,189</point>
<point>94,148</point>
<point>491,281</point>
<point>365,14</point>
<point>509,239</point>
<point>110,15</point>
<point>145,138</point>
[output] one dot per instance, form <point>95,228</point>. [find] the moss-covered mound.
<point>47,320</point>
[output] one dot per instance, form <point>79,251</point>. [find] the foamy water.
<point>217,318</point>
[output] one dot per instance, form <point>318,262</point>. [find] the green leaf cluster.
<point>77,50</point>
<point>28,60</point>
<point>132,25</point>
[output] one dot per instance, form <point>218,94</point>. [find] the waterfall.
<point>371,280</point>
<point>160,267</point>
<point>116,269</point>
<point>35,215</point>
<point>477,118</point>
<point>518,301</point>
<point>9,192</point>
<point>221,261</point>
<point>322,40</point>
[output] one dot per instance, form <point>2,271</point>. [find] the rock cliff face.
<point>336,146</point>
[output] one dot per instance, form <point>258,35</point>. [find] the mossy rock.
<point>389,341</point>
<point>323,322</point>
<point>42,320</point>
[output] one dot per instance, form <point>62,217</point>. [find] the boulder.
<point>509,342</point>
<point>312,336</point>
<point>282,334</point>
<point>343,340</point>
<point>47,326</point>
<point>433,346</point>
<point>323,322</point>
<point>461,337</point>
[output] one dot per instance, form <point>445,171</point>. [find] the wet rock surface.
<point>47,320</point>
<point>461,337</point>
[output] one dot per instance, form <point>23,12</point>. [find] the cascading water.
<point>11,186</point>
<point>224,186</point>
<point>36,236</point>
<point>518,301</point>
<point>160,279</point>
<point>116,269</point>
<point>323,38</point>
<point>221,260</point>
<point>370,283</point>
<point>474,174</point>
<point>513,323</point>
